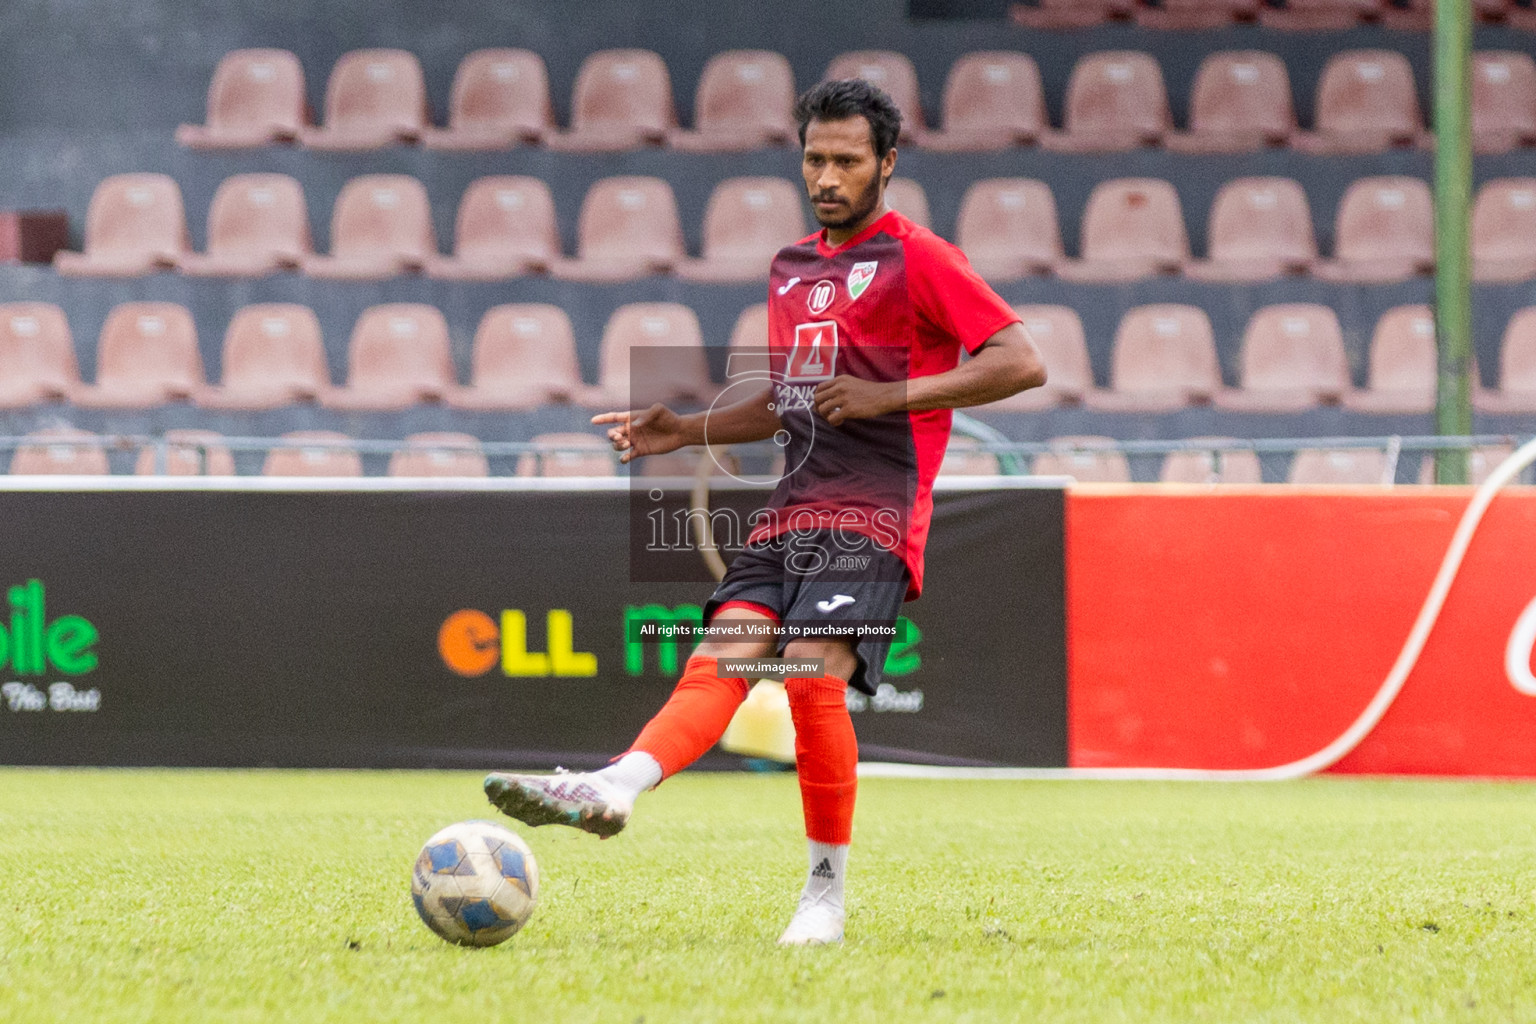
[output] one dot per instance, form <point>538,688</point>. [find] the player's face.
<point>842,176</point>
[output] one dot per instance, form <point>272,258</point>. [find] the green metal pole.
<point>1453,201</point>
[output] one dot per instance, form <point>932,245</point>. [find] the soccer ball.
<point>475,883</point>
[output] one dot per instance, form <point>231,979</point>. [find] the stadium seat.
<point>1292,359</point>
<point>1240,102</point>
<point>524,355</point>
<point>1318,15</point>
<point>964,457</point>
<point>685,463</point>
<point>274,355</point>
<point>1384,232</point>
<point>1057,332</point>
<point>908,198</point>
<point>505,228</point>
<point>186,453</point>
<point>746,222</point>
<point>1516,392</point>
<point>398,356</point>
<point>1132,228</point>
<point>1259,228</point>
<point>1503,100</point>
<point>147,355</point>
<point>992,100</point>
<point>628,228</point>
<point>1481,463</point>
<point>892,72</point>
<point>256,98</point>
<point>439,454</point>
<point>37,355</point>
<point>1008,229</point>
<point>381,226</point>
<point>1187,15</point>
<point>1211,467</point>
<point>373,99</point>
<point>1366,102</point>
<point>1115,101</point>
<point>500,98</point>
<point>569,454</point>
<point>1059,14</point>
<point>257,225</point>
<point>748,357</point>
<point>1504,230</point>
<point>674,369</point>
<point>313,453</point>
<point>1087,459</point>
<point>1403,364</point>
<point>1164,358</point>
<point>622,100</point>
<point>60,451</point>
<point>135,225</point>
<point>1330,466</point>
<point>745,100</point>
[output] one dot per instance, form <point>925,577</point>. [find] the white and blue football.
<point>475,883</point>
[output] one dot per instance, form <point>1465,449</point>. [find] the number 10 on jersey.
<point>814,356</point>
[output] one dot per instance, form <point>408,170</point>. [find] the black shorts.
<point>822,581</point>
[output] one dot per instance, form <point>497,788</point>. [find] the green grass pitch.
<point>158,896</point>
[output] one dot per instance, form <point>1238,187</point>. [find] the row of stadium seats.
<point>1115,100</point>
<point>1164,357</point>
<point>381,227</point>
<point>1291,15</point>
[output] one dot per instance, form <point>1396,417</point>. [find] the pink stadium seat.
<point>992,100</point>
<point>313,453</point>
<point>1211,467</point>
<point>1403,364</point>
<point>1008,228</point>
<point>147,355</point>
<point>1115,101</point>
<point>1259,228</point>
<point>622,100</point>
<point>398,356</point>
<point>1241,101</point>
<point>60,451</point>
<point>1057,332</point>
<point>1516,392</point>
<point>374,99</point>
<point>1185,15</point>
<point>1132,228</point>
<point>675,370</point>
<point>1504,230</point>
<point>257,225</point>
<point>1292,359</point>
<point>1366,102</point>
<point>506,228</point>
<point>1346,466</point>
<point>256,98</point>
<point>135,225</point>
<point>748,358</point>
<point>628,228</point>
<point>37,355</point>
<point>1318,15</point>
<point>892,72</point>
<point>747,221</point>
<point>524,355</point>
<point>907,198</point>
<point>1058,14</point>
<point>1088,459</point>
<point>1384,231</point>
<point>381,226</point>
<point>274,355</point>
<point>500,98</point>
<point>186,453</point>
<point>745,100</point>
<point>569,454</point>
<point>1503,100</point>
<point>1164,358</point>
<point>964,457</point>
<point>439,454</point>
<point>1480,465</point>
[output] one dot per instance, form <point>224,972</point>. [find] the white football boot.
<point>583,800</point>
<point>815,924</point>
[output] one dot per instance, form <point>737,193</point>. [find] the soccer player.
<point>867,319</point>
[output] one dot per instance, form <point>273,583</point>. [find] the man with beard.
<point>866,321</point>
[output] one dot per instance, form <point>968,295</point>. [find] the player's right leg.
<point>692,721</point>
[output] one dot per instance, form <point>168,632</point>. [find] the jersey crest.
<point>860,277</point>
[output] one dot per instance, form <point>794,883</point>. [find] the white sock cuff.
<point>634,773</point>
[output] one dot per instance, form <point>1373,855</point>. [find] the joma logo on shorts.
<point>851,563</point>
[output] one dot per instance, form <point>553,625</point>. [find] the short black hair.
<point>843,98</point>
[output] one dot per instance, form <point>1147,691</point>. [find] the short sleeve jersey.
<point>894,302</point>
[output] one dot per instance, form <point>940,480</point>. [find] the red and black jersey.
<point>892,303</point>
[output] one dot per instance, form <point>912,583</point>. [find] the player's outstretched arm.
<point>658,430</point>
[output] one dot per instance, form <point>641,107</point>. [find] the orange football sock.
<point>693,718</point>
<point>826,756</point>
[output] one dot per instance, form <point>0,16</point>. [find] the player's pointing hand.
<point>853,398</point>
<point>652,431</point>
